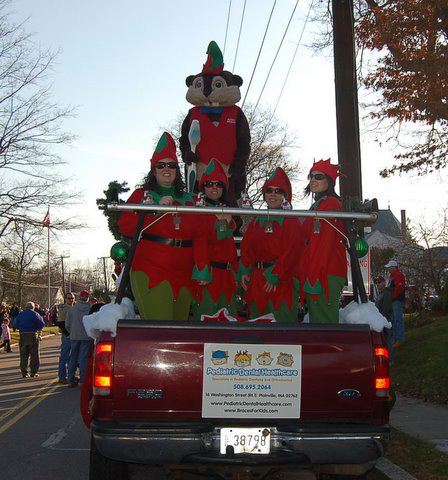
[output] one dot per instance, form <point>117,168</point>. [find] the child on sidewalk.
<point>6,335</point>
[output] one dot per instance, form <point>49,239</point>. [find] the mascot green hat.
<point>166,148</point>
<point>215,62</point>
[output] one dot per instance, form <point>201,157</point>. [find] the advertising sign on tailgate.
<point>251,381</point>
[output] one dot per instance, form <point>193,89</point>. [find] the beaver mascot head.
<point>214,86</point>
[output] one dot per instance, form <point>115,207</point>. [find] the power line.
<point>294,56</point>
<point>239,35</point>
<point>259,53</point>
<point>275,58</point>
<point>227,28</point>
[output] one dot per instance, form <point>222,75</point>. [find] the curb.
<point>392,471</point>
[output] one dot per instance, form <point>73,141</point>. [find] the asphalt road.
<point>41,431</point>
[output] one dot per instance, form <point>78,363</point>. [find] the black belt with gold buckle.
<point>263,265</point>
<point>221,265</point>
<point>171,242</point>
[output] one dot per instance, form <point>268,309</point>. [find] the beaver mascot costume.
<point>215,127</point>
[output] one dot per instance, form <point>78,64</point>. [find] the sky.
<point>123,65</point>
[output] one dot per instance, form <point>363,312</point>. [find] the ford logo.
<point>349,393</point>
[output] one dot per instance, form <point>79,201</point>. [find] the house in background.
<point>387,231</point>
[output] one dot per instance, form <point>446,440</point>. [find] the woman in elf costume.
<point>269,256</point>
<point>221,251</point>
<point>324,260</point>
<point>171,252</point>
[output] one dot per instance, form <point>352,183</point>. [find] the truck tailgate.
<point>158,368</point>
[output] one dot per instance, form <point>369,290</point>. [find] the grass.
<point>45,331</point>
<point>421,370</point>
<point>417,457</point>
<point>421,362</point>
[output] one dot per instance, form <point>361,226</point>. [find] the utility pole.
<point>63,276</point>
<point>105,274</point>
<point>346,89</point>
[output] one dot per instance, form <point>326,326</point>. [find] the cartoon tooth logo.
<point>285,359</point>
<point>243,359</point>
<point>264,358</point>
<point>220,357</point>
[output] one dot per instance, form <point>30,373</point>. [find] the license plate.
<point>246,440</point>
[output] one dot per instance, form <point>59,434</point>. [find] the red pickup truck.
<point>239,399</point>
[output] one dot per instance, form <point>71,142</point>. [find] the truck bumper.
<point>199,443</point>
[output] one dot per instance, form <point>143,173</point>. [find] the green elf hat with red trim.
<point>166,148</point>
<point>279,179</point>
<point>215,62</point>
<point>324,166</point>
<point>214,173</point>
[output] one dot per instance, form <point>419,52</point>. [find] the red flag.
<point>46,220</point>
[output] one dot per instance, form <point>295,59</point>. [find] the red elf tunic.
<point>223,259</point>
<point>324,253</point>
<point>178,265</point>
<point>272,257</point>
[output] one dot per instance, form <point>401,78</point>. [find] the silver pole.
<point>129,207</point>
<point>49,271</point>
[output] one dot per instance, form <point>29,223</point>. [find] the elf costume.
<point>171,252</point>
<point>221,255</point>
<point>324,260</point>
<point>224,132</point>
<point>270,252</point>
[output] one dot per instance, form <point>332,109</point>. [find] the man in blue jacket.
<point>29,322</point>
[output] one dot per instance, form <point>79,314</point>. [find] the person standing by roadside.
<point>80,342</point>
<point>64,355</point>
<point>397,284</point>
<point>13,312</point>
<point>29,323</point>
<point>6,335</point>
<point>383,303</point>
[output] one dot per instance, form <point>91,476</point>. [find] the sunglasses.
<point>162,165</point>
<point>211,184</point>
<point>316,176</point>
<point>274,190</point>
<point>70,298</point>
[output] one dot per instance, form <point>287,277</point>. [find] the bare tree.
<point>271,141</point>
<point>24,246</point>
<point>30,126</point>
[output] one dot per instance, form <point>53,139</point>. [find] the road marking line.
<point>26,400</point>
<point>55,438</point>
<point>36,402</point>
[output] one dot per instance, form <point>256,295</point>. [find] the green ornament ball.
<point>361,247</point>
<point>119,252</point>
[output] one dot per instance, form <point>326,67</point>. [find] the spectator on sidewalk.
<point>64,355</point>
<point>384,304</point>
<point>80,342</point>
<point>397,283</point>
<point>13,312</point>
<point>6,336</point>
<point>29,323</point>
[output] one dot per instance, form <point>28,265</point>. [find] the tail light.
<point>382,378</point>
<point>102,370</point>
